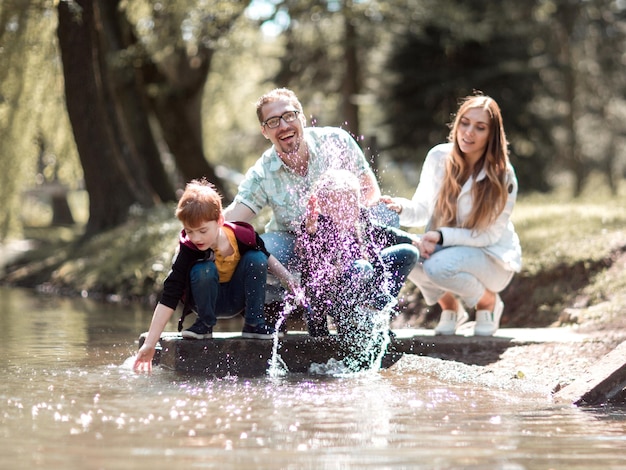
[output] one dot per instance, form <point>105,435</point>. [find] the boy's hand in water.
<point>143,360</point>
<point>299,296</point>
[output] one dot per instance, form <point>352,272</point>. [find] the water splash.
<point>343,272</point>
<point>369,340</point>
<point>333,368</point>
<point>277,366</point>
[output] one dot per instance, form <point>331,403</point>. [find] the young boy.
<point>348,260</point>
<point>220,270</point>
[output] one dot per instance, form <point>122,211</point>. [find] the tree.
<point>326,49</point>
<point>448,52</point>
<point>589,82</point>
<point>174,58</point>
<point>12,22</point>
<point>31,108</point>
<point>113,176</point>
<point>143,91</point>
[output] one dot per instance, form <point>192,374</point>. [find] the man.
<point>283,177</point>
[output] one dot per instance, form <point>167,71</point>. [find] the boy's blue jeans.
<point>244,292</point>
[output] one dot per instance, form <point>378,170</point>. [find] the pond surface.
<point>69,400</point>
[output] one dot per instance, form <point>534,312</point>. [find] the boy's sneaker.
<point>198,331</point>
<point>487,323</point>
<point>259,332</point>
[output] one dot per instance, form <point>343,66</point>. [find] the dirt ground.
<point>555,365</point>
<point>552,366</point>
<point>546,367</point>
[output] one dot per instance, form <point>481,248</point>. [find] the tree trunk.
<point>351,79</point>
<point>567,15</point>
<point>180,116</point>
<point>132,107</point>
<point>177,106</point>
<point>108,180</point>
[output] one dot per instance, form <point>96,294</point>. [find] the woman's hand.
<point>428,243</point>
<point>391,203</point>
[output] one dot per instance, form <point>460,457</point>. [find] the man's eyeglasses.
<point>274,122</point>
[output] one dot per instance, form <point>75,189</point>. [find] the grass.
<point>571,250</point>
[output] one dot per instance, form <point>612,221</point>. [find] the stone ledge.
<point>604,383</point>
<point>229,354</point>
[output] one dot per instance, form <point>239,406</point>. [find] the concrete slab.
<point>604,382</point>
<point>229,354</point>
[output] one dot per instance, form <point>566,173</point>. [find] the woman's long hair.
<point>489,194</point>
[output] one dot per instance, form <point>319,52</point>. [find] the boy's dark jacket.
<point>176,286</point>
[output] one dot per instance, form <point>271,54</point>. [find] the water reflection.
<point>70,400</point>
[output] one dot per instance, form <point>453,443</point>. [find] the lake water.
<point>69,400</point>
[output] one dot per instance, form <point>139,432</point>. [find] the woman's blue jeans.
<point>464,271</point>
<point>245,292</point>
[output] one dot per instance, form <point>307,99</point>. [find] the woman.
<point>465,197</point>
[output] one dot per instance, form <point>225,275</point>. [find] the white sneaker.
<point>451,320</point>
<point>488,322</point>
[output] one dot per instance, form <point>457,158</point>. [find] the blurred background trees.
<point>126,100</point>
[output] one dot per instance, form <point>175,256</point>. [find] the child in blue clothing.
<point>220,270</point>
<point>350,264</point>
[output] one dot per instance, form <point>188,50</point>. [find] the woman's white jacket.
<point>499,240</point>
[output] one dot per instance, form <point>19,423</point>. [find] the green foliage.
<point>573,254</point>
<point>556,230</point>
<point>190,25</point>
<point>416,58</point>
<point>231,130</point>
<point>37,142</point>
<point>128,262</point>
<point>449,52</point>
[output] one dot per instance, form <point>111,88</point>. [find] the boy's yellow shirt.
<point>226,265</point>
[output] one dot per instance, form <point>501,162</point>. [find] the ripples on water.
<point>69,400</point>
